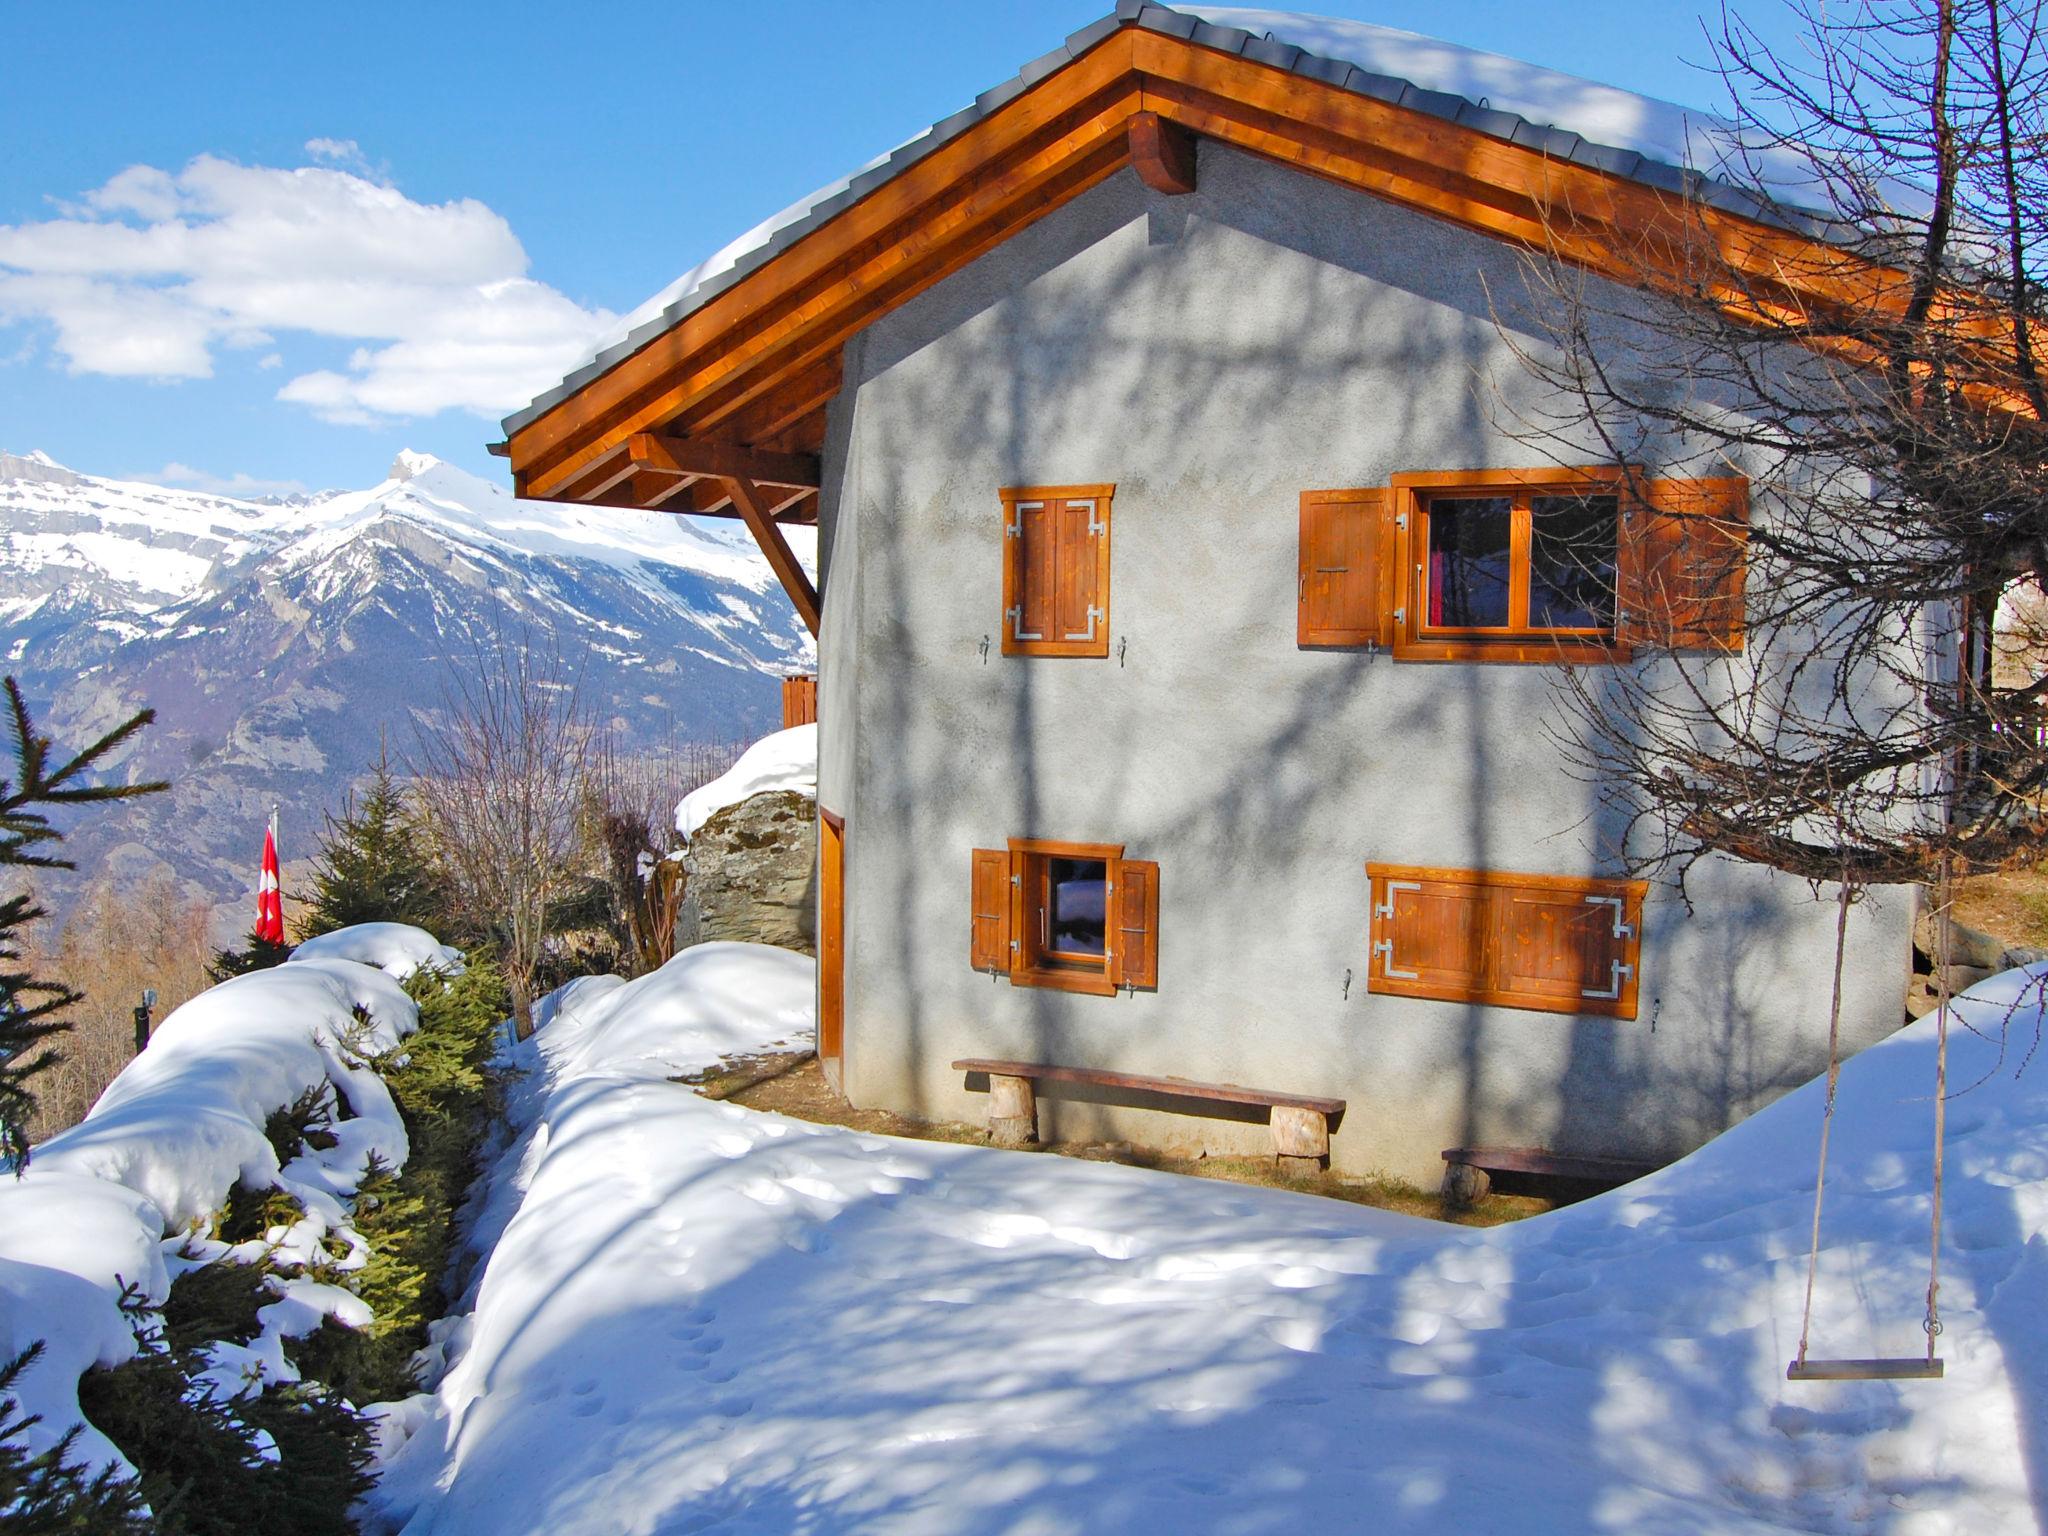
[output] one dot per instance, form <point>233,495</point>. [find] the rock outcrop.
<point>752,874</point>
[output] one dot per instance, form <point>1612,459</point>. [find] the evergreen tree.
<point>30,1007</point>
<point>372,866</point>
<point>256,954</point>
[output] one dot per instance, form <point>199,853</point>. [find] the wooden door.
<point>831,944</point>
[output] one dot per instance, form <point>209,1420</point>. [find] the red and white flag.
<point>269,897</point>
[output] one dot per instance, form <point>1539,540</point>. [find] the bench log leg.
<point>1301,1139</point>
<point>1465,1185</point>
<point>1012,1112</point>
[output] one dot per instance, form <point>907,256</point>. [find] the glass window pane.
<point>1468,561</point>
<point>1571,561</point>
<point>1077,902</point>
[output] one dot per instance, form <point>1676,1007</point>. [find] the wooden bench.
<point>1300,1122</point>
<point>1468,1171</point>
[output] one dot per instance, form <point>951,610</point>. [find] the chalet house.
<point>1189,613</point>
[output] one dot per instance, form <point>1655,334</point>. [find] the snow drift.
<point>698,1315</point>
<point>397,949</point>
<point>119,1198</point>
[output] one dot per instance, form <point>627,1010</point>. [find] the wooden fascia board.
<point>758,512</point>
<point>666,454</point>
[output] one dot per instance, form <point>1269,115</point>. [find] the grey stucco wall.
<point>1212,356</point>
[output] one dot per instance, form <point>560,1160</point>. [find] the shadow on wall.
<point>1097,336</point>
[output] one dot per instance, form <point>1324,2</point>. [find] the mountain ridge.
<point>279,639</point>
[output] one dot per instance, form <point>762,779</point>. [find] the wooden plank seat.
<point>1468,1171</point>
<point>1300,1121</point>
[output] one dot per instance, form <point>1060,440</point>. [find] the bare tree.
<point>117,941</point>
<point>498,770</point>
<point>629,821</point>
<point>1878,382</point>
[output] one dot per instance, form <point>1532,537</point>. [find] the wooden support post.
<point>1301,1138</point>
<point>1464,1185</point>
<point>759,513</point>
<point>1012,1111</point>
<point>1163,154</point>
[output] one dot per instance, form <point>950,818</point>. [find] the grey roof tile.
<point>1044,65</point>
<point>1436,103</point>
<point>1222,39</point>
<point>1080,42</point>
<point>1316,67</point>
<point>1158,18</point>
<point>1363,82</point>
<point>1603,157</point>
<point>1268,50</point>
<point>1501,125</point>
<point>998,94</point>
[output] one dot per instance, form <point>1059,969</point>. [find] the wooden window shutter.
<point>1346,569</point>
<point>990,892</point>
<point>1682,565</point>
<point>1548,943</point>
<point>1134,947</point>
<point>1056,570</point>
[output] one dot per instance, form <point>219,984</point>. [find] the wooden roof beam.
<point>664,453</point>
<point>1163,154</point>
<point>758,510</point>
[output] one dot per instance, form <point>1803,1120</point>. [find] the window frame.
<point>1033,966</point>
<point>1014,574</point>
<point>1496,889</point>
<point>1415,640</point>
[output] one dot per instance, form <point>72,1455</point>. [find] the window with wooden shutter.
<point>1077,917</point>
<point>1562,565</point>
<point>1557,944</point>
<point>1684,557</point>
<point>1056,570</point>
<point>1346,557</point>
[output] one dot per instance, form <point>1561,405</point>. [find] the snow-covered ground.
<point>125,1197</point>
<point>696,1316</point>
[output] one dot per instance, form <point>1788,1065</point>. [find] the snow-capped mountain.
<point>277,639</point>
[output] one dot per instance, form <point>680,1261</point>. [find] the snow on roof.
<point>156,1157</point>
<point>396,949</point>
<point>1604,126</point>
<point>786,760</point>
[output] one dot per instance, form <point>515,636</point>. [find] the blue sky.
<point>256,246</point>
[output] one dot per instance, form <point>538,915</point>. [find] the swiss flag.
<point>269,899</point>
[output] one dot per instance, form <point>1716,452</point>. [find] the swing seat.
<point>1915,1368</point>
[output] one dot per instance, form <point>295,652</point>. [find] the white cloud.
<point>153,273</point>
<point>341,151</point>
<point>185,477</point>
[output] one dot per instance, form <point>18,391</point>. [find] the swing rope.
<point>1827,1114</point>
<point>1800,1369</point>
<point>1932,1322</point>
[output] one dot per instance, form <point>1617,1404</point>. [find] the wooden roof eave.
<point>760,358</point>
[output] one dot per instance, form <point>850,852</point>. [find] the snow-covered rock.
<point>701,1315</point>
<point>786,760</point>
<point>396,949</point>
<point>100,1204</point>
